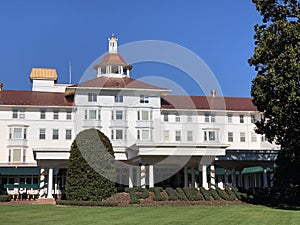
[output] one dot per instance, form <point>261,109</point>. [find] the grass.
<point>239,214</point>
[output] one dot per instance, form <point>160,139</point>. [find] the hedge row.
<point>185,194</point>
<point>5,198</point>
<point>86,203</point>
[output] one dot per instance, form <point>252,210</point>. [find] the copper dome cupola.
<point>113,64</point>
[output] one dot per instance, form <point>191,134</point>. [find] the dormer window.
<point>92,97</point>
<point>144,99</point>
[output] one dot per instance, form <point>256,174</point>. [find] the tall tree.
<point>276,88</point>
<point>91,172</point>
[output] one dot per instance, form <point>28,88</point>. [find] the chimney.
<point>1,86</point>
<point>213,93</point>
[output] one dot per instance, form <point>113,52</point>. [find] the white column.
<point>42,184</point>
<point>225,178</point>
<point>185,177</point>
<point>50,183</point>
<point>143,176</point>
<point>212,177</point>
<point>130,177</point>
<point>204,177</point>
<point>193,176</point>
<point>151,176</point>
<point>233,178</point>
<point>265,178</point>
<point>127,71</point>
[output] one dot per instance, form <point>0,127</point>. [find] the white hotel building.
<point>160,139</point>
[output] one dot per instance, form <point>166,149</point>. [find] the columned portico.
<point>50,183</point>
<point>151,176</point>
<point>204,176</point>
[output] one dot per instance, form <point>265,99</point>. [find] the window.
<point>189,135</point>
<point>92,114</point>
<point>143,134</point>
<point>143,115</point>
<point>230,136</point>
<point>17,155</point>
<point>55,135</point>
<point>253,120</point>
<point>241,118</point>
<point>177,135</point>
<point>144,99</point>
<point>43,115</point>
<point>119,115</point>
<point>177,118</point>
<point>210,135</point>
<point>17,133</point>
<point>166,117</point>
<point>92,97</point>
<point>229,118</point>
<point>118,134</point>
<point>253,137</point>
<point>55,114</point>
<point>209,118</point>
<point>68,134</point>
<point>42,135</point>
<point>242,137</point>
<point>166,135</point>
<point>189,118</point>
<point>18,114</point>
<point>69,115</point>
<point>118,98</point>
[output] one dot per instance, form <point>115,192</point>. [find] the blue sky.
<point>51,33</point>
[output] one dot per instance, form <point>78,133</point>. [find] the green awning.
<point>254,169</point>
<point>19,170</point>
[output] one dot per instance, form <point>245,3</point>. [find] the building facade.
<point>158,138</point>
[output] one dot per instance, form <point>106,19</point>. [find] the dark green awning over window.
<point>19,171</point>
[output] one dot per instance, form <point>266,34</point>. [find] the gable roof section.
<point>113,82</point>
<point>34,98</point>
<point>207,103</point>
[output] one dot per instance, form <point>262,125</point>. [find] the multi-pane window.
<point>229,118</point>
<point>92,97</point>
<point>177,118</point>
<point>118,134</point>
<point>189,118</point>
<point>118,98</point>
<point>209,118</point>
<point>69,115</point>
<point>92,114</point>
<point>253,120</point>
<point>42,135</point>
<point>43,114</point>
<point>189,135</point>
<point>55,134</point>
<point>68,134</point>
<point>210,135</point>
<point>242,119</point>
<point>143,134</point>
<point>17,133</point>
<point>253,137</point>
<point>166,117</point>
<point>144,99</point>
<point>242,137</point>
<point>230,136</point>
<point>17,155</point>
<point>119,115</point>
<point>143,115</point>
<point>166,135</point>
<point>55,114</point>
<point>18,114</point>
<point>178,135</point>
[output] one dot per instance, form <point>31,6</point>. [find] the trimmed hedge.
<point>227,195</point>
<point>136,194</point>
<point>86,203</point>
<point>209,193</point>
<point>192,194</point>
<point>157,195</point>
<point>5,198</point>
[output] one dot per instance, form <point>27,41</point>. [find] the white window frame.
<point>18,113</point>
<point>143,115</point>
<point>252,118</point>
<point>12,155</point>
<point>118,98</point>
<point>55,135</point>
<point>211,135</point>
<point>68,114</point>
<point>242,118</point>
<point>115,134</point>
<point>68,135</point>
<point>42,134</point>
<point>141,134</point>
<point>43,114</point>
<point>229,118</point>
<point>242,136</point>
<point>189,118</point>
<point>166,134</point>
<point>144,99</point>
<point>177,135</point>
<point>177,118</point>
<point>23,133</point>
<point>165,117</point>
<point>230,137</point>
<point>55,114</point>
<point>189,135</point>
<point>253,137</point>
<point>92,97</point>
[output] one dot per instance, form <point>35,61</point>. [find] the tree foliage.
<point>91,159</point>
<point>276,88</point>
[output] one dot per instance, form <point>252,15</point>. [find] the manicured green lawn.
<point>49,214</point>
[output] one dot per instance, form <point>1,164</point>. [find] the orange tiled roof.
<point>43,73</point>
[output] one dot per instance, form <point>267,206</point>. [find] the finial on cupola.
<point>113,44</point>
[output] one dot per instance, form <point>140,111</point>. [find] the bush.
<point>86,203</point>
<point>238,194</point>
<point>209,193</point>
<point>91,170</point>
<point>174,195</point>
<point>157,195</point>
<point>136,194</point>
<point>192,194</point>
<point>5,198</point>
<point>227,195</point>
